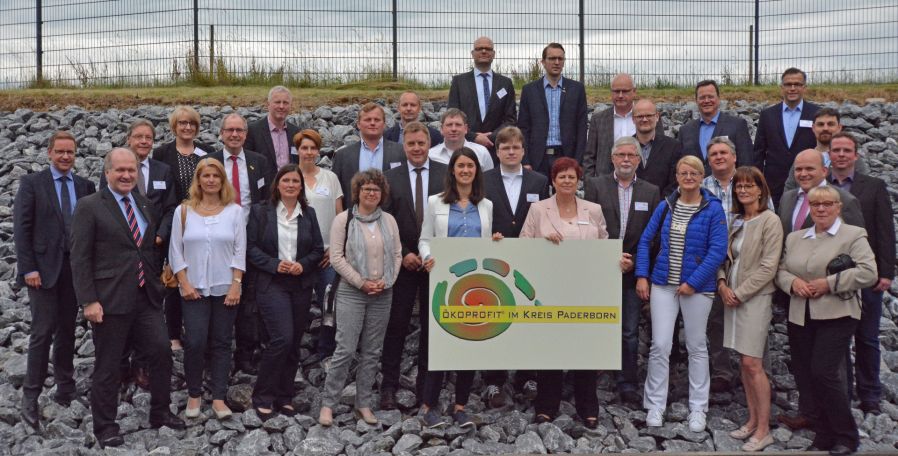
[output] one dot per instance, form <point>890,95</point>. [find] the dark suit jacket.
<point>772,154</point>
<point>105,257</point>
<point>165,199</point>
<point>597,156</point>
<point>168,154</point>
<point>401,204</point>
<point>851,210</point>
<point>38,228</point>
<point>603,190</point>
<point>502,112</point>
<point>262,245</point>
<point>731,126</point>
<point>258,168</point>
<point>876,206</point>
<point>258,138</point>
<point>504,221</point>
<point>661,167</point>
<point>392,134</point>
<point>346,164</point>
<point>533,120</point>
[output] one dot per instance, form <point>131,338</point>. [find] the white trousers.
<point>665,305</point>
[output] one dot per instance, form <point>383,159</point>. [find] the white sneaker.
<point>655,418</point>
<point>697,421</point>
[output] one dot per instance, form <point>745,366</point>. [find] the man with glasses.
<point>553,115</point>
<point>827,124</point>
<point>486,97</point>
<point>784,129</point>
<point>712,122</point>
<point>658,153</point>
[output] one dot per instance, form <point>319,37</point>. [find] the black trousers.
<point>409,285</point>
<point>548,396</point>
<point>110,337</point>
<point>433,383</point>
<point>173,316</point>
<point>53,313</point>
<point>820,373</point>
<point>247,327</point>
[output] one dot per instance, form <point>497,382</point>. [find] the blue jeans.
<point>327,340</point>
<point>631,306</point>
<point>208,322</point>
<point>866,350</point>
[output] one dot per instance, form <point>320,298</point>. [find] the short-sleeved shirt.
<point>323,198</point>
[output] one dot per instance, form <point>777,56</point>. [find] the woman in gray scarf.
<point>366,253</point>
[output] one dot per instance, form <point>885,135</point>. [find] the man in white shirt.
<point>454,127</point>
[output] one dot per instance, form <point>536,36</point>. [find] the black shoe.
<point>870,407</point>
<point>30,414</point>
<point>287,410</point>
<point>169,420</point>
<point>630,397</point>
<point>841,450</point>
<point>387,399</point>
<point>113,440</point>
<point>65,399</point>
<point>263,415</point>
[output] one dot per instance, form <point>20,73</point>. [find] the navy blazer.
<point>401,204</point>
<point>161,192</point>
<point>533,120</point>
<point>733,127</point>
<point>258,138</point>
<point>772,155</point>
<point>262,245</point>
<point>38,228</point>
<point>260,171</point>
<point>346,164</point>
<point>504,221</point>
<point>502,110</point>
<point>392,134</point>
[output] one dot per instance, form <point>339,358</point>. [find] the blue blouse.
<point>464,222</point>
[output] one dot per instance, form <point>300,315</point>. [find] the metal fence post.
<point>582,46</point>
<point>757,38</point>
<point>196,34</point>
<point>39,50</point>
<point>395,45</point>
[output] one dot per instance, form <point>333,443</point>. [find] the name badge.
<point>642,206</point>
<point>261,182</point>
<point>501,93</point>
<point>394,164</point>
<point>293,150</point>
<point>805,123</point>
<point>582,222</point>
<point>199,152</point>
<point>323,191</point>
<point>158,185</point>
<point>211,220</point>
<point>532,197</point>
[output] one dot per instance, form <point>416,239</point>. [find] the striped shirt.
<point>679,220</point>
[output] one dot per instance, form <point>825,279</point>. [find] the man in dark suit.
<point>627,204</point>
<point>272,135</point>
<point>410,111</point>
<point>876,205</point>
<point>42,231</point>
<point>784,130</point>
<point>553,115</point>
<point>659,153</point>
<point>116,280</point>
<point>373,151</point>
<point>512,188</point>
<point>611,124</point>
<point>251,175</point>
<point>696,133</point>
<point>411,183</point>
<point>487,98</point>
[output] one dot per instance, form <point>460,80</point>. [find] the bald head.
<point>809,169</point>
<point>120,167</point>
<point>623,91</point>
<point>483,53</point>
<point>645,116</point>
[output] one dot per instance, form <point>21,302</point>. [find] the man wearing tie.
<point>416,178</point>
<point>272,135</point>
<point>42,230</point>
<point>116,280</point>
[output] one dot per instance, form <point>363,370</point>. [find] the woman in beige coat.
<point>823,313</point>
<point>745,285</point>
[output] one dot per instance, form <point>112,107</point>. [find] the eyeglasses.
<point>483,49</point>
<point>644,116</point>
<point>621,92</point>
<point>142,137</point>
<point>231,131</point>
<point>625,156</point>
<point>185,123</point>
<point>371,190</point>
<point>744,186</point>
<point>793,85</point>
<point>819,204</point>
<point>692,174</point>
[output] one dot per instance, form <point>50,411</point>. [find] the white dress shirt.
<point>623,125</point>
<point>209,248</point>
<point>513,183</point>
<point>441,154</point>
<point>288,229</point>
<point>425,180</point>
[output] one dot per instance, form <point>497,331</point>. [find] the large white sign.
<point>524,304</point>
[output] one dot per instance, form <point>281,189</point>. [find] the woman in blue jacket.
<point>691,228</point>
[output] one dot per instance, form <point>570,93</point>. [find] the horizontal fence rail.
<point>662,43</point>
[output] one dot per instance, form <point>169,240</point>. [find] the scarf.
<point>357,254</point>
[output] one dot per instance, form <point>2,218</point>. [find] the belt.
<point>554,150</point>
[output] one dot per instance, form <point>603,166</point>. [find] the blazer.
<point>168,154</point>
<point>346,164</point>
<point>661,167</point>
<point>851,210</point>
<point>260,171</point>
<point>504,220</point>
<point>105,256</point>
<point>544,218</point>
<point>502,110</point>
<point>603,190</point>
<point>759,256</point>
<point>401,204</point>
<point>258,138</point>
<point>262,245</point>
<point>597,156</point>
<point>533,120</point>
<point>392,134</point>
<point>436,222</point>
<point>731,126</point>
<point>773,156</point>
<point>807,258</point>
<point>38,229</point>
<point>876,207</point>
<point>162,194</point>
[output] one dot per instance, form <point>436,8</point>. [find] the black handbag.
<point>329,308</point>
<point>841,262</point>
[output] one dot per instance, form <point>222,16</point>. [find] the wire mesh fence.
<point>662,43</point>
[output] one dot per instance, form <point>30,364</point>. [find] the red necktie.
<point>235,179</point>
<point>802,213</point>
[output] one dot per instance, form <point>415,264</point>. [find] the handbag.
<point>169,279</point>
<point>835,266</point>
<point>330,306</point>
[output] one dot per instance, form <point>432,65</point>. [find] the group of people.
<point>252,234</point>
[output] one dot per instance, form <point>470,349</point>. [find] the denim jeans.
<point>208,322</point>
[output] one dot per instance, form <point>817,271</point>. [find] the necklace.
<point>210,209</point>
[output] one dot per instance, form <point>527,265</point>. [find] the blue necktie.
<point>486,92</point>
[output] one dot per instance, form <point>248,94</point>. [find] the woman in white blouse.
<point>208,255</point>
